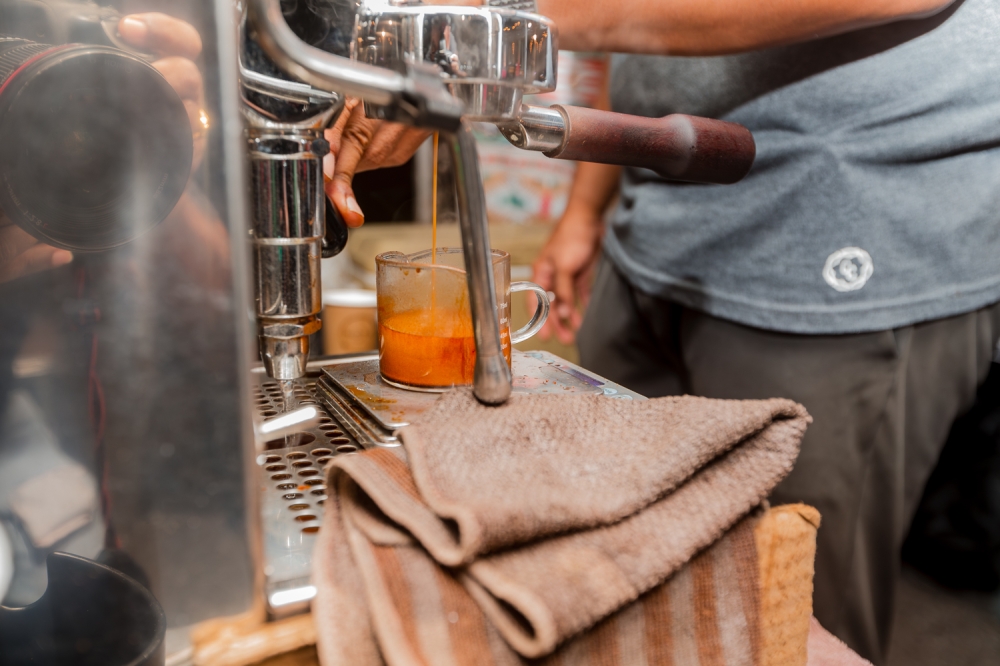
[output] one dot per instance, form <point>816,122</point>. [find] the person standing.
<point>855,270</point>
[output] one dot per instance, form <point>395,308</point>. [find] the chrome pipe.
<point>317,67</point>
<point>538,128</point>
<point>492,378</point>
<point>287,219</point>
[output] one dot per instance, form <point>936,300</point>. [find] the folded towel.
<point>785,538</point>
<point>506,531</point>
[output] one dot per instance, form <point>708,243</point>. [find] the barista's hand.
<point>21,254</point>
<point>360,144</point>
<point>564,266</point>
<point>357,144</point>
<point>177,43</point>
<point>160,34</point>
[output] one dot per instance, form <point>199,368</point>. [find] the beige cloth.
<point>515,530</point>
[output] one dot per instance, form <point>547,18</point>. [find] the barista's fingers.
<point>334,134</point>
<point>13,241</point>
<point>567,317</point>
<point>557,326</point>
<point>161,34</point>
<point>183,76</point>
<point>354,140</point>
<point>564,320</point>
<point>583,283</point>
<point>342,196</point>
<point>542,274</point>
<point>357,144</point>
<point>37,258</point>
<point>565,293</point>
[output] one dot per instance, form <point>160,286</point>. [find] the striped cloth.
<point>490,544</point>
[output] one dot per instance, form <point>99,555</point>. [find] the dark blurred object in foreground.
<point>95,145</point>
<point>955,535</point>
<point>90,615</point>
<point>386,195</point>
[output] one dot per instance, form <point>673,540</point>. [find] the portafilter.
<point>491,57</point>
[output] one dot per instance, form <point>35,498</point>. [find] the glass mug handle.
<point>541,312</point>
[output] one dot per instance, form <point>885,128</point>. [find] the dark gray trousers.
<point>882,405</point>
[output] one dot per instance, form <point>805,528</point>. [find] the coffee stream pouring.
<point>440,67</point>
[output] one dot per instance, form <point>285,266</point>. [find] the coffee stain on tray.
<point>370,398</point>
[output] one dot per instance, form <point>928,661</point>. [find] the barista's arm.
<point>564,265</point>
<point>21,254</point>
<point>715,27</point>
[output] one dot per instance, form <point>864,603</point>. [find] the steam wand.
<point>492,378</point>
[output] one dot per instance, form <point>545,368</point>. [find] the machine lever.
<point>678,147</point>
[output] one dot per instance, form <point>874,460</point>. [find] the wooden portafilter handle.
<point>678,147</point>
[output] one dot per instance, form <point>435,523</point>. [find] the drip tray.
<point>372,410</point>
<point>362,412</point>
<point>293,492</point>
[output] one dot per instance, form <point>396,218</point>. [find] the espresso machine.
<point>433,67</point>
<point>159,408</point>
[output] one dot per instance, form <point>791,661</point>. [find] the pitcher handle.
<point>541,311</point>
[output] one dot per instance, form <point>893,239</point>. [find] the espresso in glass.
<point>425,333</point>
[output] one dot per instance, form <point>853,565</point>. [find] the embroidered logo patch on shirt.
<point>848,269</point>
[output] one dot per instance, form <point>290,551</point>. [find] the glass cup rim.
<point>396,259</point>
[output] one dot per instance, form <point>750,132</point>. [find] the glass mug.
<point>425,338</point>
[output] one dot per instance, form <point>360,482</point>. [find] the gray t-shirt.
<point>875,198</point>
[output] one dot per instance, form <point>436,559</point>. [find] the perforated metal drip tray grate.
<point>371,410</point>
<point>360,411</point>
<point>293,492</point>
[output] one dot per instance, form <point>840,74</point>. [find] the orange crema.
<point>432,348</point>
